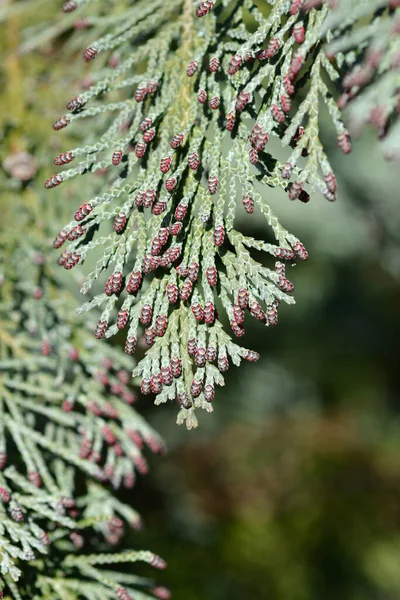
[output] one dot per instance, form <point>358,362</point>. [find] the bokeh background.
<point>290,490</point>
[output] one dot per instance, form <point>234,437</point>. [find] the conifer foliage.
<point>187,101</point>
<point>69,438</point>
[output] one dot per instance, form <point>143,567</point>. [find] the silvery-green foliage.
<point>185,99</point>
<point>69,439</point>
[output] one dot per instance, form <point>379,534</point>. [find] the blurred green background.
<point>290,490</point>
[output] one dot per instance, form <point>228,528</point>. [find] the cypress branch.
<point>186,109</point>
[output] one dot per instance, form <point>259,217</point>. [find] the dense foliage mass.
<point>187,106</point>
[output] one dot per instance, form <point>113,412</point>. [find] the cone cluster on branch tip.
<point>69,439</point>
<point>199,91</point>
